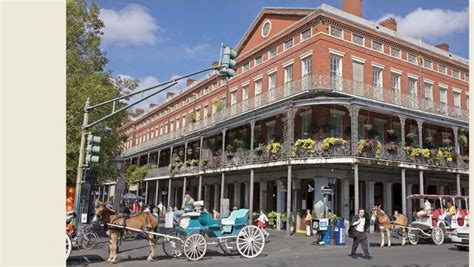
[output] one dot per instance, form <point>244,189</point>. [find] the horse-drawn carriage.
<point>231,234</point>
<point>195,232</point>
<point>435,225</point>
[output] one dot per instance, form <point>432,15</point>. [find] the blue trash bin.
<point>340,233</point>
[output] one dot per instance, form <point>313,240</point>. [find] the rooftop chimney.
<point>390,23</point>
<point>139,111</point>
<point>151,105</point>
<point>169,95</point>
<point>215,63</point>
<point>352,6</point>
<point>443,46</point>
<point>189,82</point>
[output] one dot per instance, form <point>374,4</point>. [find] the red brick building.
<point>319,92</point>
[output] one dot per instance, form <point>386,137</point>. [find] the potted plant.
<point>192,117</point>
<point>305,146</point>
<point>204,161</point>
<point>274,147</point>
<point>272,216</point>
<point>391,147</point>
<point>260,149</point>
<point>370,145</point>
<point>218,104</point>
<point>332,141</point>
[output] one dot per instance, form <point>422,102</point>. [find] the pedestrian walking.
<point>160,209</point>
<point>262,223</point>
<point>359,234</point>
<point>308,220</point>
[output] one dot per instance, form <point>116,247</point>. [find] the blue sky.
<point>154,41</point>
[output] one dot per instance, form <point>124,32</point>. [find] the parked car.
<point>460,237</point>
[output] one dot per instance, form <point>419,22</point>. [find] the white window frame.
<point>456,102</point>
<point>310,29</point>
<point>363,39</point>
<point>260,82</point>
<point>445,69</point>
<point>445,90</point>
<point>458,72</point>
<point>303,65</point>
<point>261,60</point>
<point>408,58</point>
<point>424,63</point>
<point>270,50</point>
<point>245,92</point>
<point>274,74</point>
<point>399,50</point>
<point>431,90</point>
<point>292,39</point>
<point>342,32</point>
<point>246,67</point>
<point>382,48</point>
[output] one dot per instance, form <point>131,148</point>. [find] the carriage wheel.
<point>437,235</point>
<point>68,246</point>
<point>195,247</point>
<point>173,247</point>
<point>89,240</point>
<point>413,236</point>
<point>229,246</point>
<point>250,241</point>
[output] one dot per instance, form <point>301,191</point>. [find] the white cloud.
<point>133,25</point>
<point>192,50</point>
<point>147,82</point>
<point>431,24</point>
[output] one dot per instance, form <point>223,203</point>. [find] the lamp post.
<point>120,185</point>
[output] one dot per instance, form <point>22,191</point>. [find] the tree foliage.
<point>88,77</point>
<point>135,174</point>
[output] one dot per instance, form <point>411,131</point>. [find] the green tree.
<point>86,76</point>
<point>135,174</point>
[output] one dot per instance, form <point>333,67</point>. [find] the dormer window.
<point>336,32</point>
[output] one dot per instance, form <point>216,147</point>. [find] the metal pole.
<point>251,195</point>
<point>77,197</point>
<point>356,187</point>
<point>184,186</point>
<point>169,192</point>
<point>288,201</point>
<point>146,192</point>
<point>222,189</point>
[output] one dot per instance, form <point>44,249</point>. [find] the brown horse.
<point>386,226</point>
<point>143,221</point>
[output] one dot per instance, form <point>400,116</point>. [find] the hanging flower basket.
<point>332,142</point>
<point>304,147</point>
<point>369,145</point>
<point>391,147</point>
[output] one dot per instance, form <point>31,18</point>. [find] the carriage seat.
<point>236,214</point>
<point>435,216</point>
<point>191,214</point>
<point>461,215</point>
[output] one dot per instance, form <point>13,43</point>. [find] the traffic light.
<point>228,62</point>
<point>92,147</point>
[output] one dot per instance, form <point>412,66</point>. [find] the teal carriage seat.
<point>213,226</point>
<point>235,222</point>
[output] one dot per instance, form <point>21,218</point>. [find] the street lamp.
<point>120,184</point>
<point>332,179</point>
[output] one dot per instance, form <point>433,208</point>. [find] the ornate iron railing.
<point>309,83</point>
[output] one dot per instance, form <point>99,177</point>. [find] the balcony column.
<point>404,192</point>
<point>288,199</point>
<point>402,131</point>
<point>237,195</point>
<point>290,130</point>
<point>345,199</point>
<point>280,197</point>
<point>247,195</point>
<point>169,193</point>
<point>223,147</point>
<point>252,134</point>
<point>148,161</point>
<point>171,154</point>
<point>370,199</point>
<point>185,151</point>
<point>441,190</point>
<point>420,132</point>
<point>158,160</point>
<point>200,153</point>
<point>185,180</point>
<point>263,196</point>
<point>422,186</point>
<point>458,184</point>
<point>207,197</point>
<point>409,203</point>
<point>200,188</point>
<point>356,187</point>
<point>456,141</point>
<point>157,192</point>
<point>216,196</point>
<point>387,195</point>
<point>354,113</point>
<point>222,187</point>
<point>146,192</point>
<point>252,176</point>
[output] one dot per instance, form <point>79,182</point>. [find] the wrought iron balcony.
<point>310,83</point>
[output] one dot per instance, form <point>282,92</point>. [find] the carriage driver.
<point>426,211</point>
<point>188,206</point>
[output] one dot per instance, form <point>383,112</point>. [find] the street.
<point>282,251</point>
